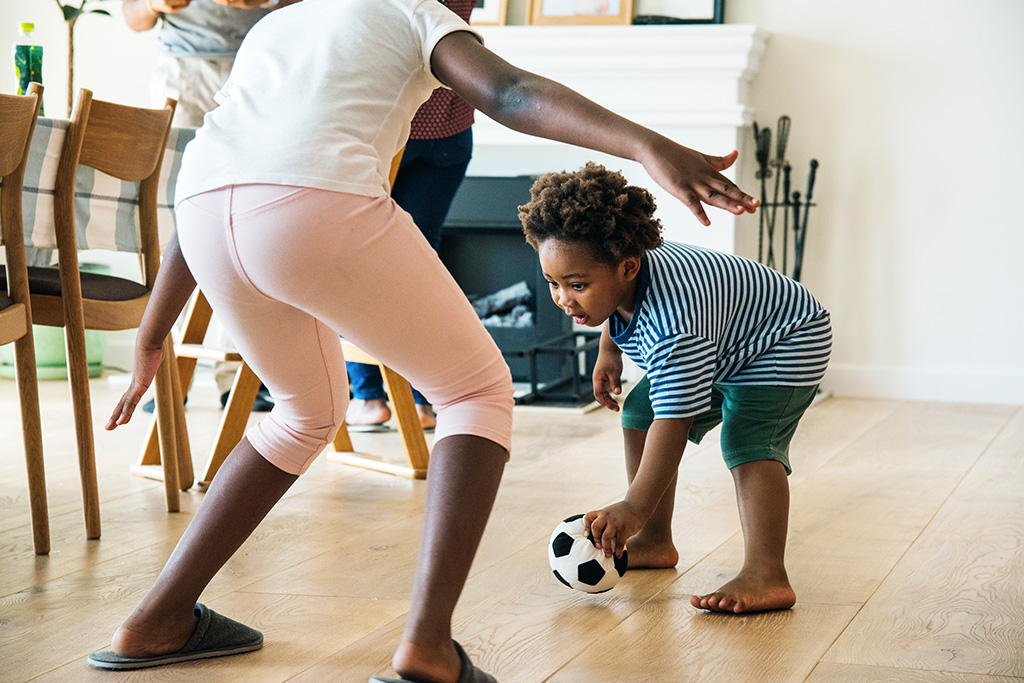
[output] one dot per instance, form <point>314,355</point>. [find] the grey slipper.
<point>467,674</point>
<point>215,636</point>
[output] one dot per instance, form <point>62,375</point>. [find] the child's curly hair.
<point>592,206</point>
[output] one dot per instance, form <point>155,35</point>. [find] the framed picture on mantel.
<point>679,12</point>
<point>580,12</point>
<point>488,13</point>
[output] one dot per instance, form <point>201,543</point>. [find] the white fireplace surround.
<point>687,82</point>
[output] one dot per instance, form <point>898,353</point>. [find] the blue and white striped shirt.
<point>703,317</point>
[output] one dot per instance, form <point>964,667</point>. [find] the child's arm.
<point>612,526</point>
<point>539,106</point>
<point>171,291</point>
<point>607,376</point>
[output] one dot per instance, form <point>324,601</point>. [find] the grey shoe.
<point>467,674</point>
<point>215,636</point>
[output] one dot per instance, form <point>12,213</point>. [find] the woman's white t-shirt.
<point>321,95</point>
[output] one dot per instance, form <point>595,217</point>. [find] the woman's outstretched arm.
<point>538,106</point>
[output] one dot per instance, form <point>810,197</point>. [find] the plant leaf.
<point>70,12</point>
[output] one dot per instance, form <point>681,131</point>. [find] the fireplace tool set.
<point>793,205</point>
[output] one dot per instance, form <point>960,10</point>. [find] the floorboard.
<point>905,550</point>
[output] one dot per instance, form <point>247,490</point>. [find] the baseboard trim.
<point>926,384</point>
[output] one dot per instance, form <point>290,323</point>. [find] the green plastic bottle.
<point>28,59</point>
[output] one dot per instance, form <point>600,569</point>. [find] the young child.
<point>284,220</point>
<point>723,340</point>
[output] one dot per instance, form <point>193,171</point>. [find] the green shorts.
<point>758,421</point>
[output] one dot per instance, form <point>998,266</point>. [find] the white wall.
<point>915,110</point>
<point>110,59</point>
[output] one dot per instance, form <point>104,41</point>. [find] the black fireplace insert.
<point>484,249</point>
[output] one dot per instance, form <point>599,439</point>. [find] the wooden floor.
<point>905,550</point>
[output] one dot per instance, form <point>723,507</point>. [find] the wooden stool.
<point>405,414</point>
<point>239,406</point>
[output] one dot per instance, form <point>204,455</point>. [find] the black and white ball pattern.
<point>578,564</point>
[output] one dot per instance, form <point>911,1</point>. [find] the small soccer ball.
<point>578,564</point>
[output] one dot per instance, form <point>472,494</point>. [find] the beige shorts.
<point>193,81</point>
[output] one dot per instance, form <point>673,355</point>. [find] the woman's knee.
<point>292,441</point>
<point>482,407</point>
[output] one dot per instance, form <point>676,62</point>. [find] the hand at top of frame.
<point>168,6</point>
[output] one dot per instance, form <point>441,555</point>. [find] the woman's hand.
<point>696,179</point>
<point>147,361</point>
<point>611,527</point>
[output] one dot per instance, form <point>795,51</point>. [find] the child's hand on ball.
<point>612,527</point>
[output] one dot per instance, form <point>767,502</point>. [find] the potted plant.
<point>71,15</point>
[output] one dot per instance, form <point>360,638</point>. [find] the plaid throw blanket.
<point>105,207</point>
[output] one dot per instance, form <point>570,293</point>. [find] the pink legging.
<point>289,269</point>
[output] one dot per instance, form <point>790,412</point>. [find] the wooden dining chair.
<point>18,115</point>
<point>234,421</point>
<point>127,143</point>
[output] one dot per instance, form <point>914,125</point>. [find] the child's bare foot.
<point>428,419</point>
<point>748,592</point>
<point>372,412</point>
<point>651,554</point>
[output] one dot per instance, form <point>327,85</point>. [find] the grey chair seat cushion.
<point>46,281</point>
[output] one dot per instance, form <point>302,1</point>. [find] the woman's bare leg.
<point>461,485</point>
<point>243,492</point>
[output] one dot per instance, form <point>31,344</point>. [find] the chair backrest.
<point>122,141</point>
<point>18,115</point>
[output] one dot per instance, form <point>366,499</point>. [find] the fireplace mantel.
<point>687,82</point>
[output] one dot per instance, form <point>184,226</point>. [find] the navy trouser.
<point>428,178</point>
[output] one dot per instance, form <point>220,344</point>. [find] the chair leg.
<point>233,423</point>
<point>186,475</point>
<point>197,319</point>
<point>150,453</point>
<point>78,378</point>
<point>31,426</point>
<point>166,425</point>
<point>342,441</point>
<point>408,425</point>
<point>408,420</point>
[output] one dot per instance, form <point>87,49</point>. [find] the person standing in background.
<point>196,45</point>
<point>432,168</point>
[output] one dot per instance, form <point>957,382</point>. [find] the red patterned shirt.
<point>445,113</point>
